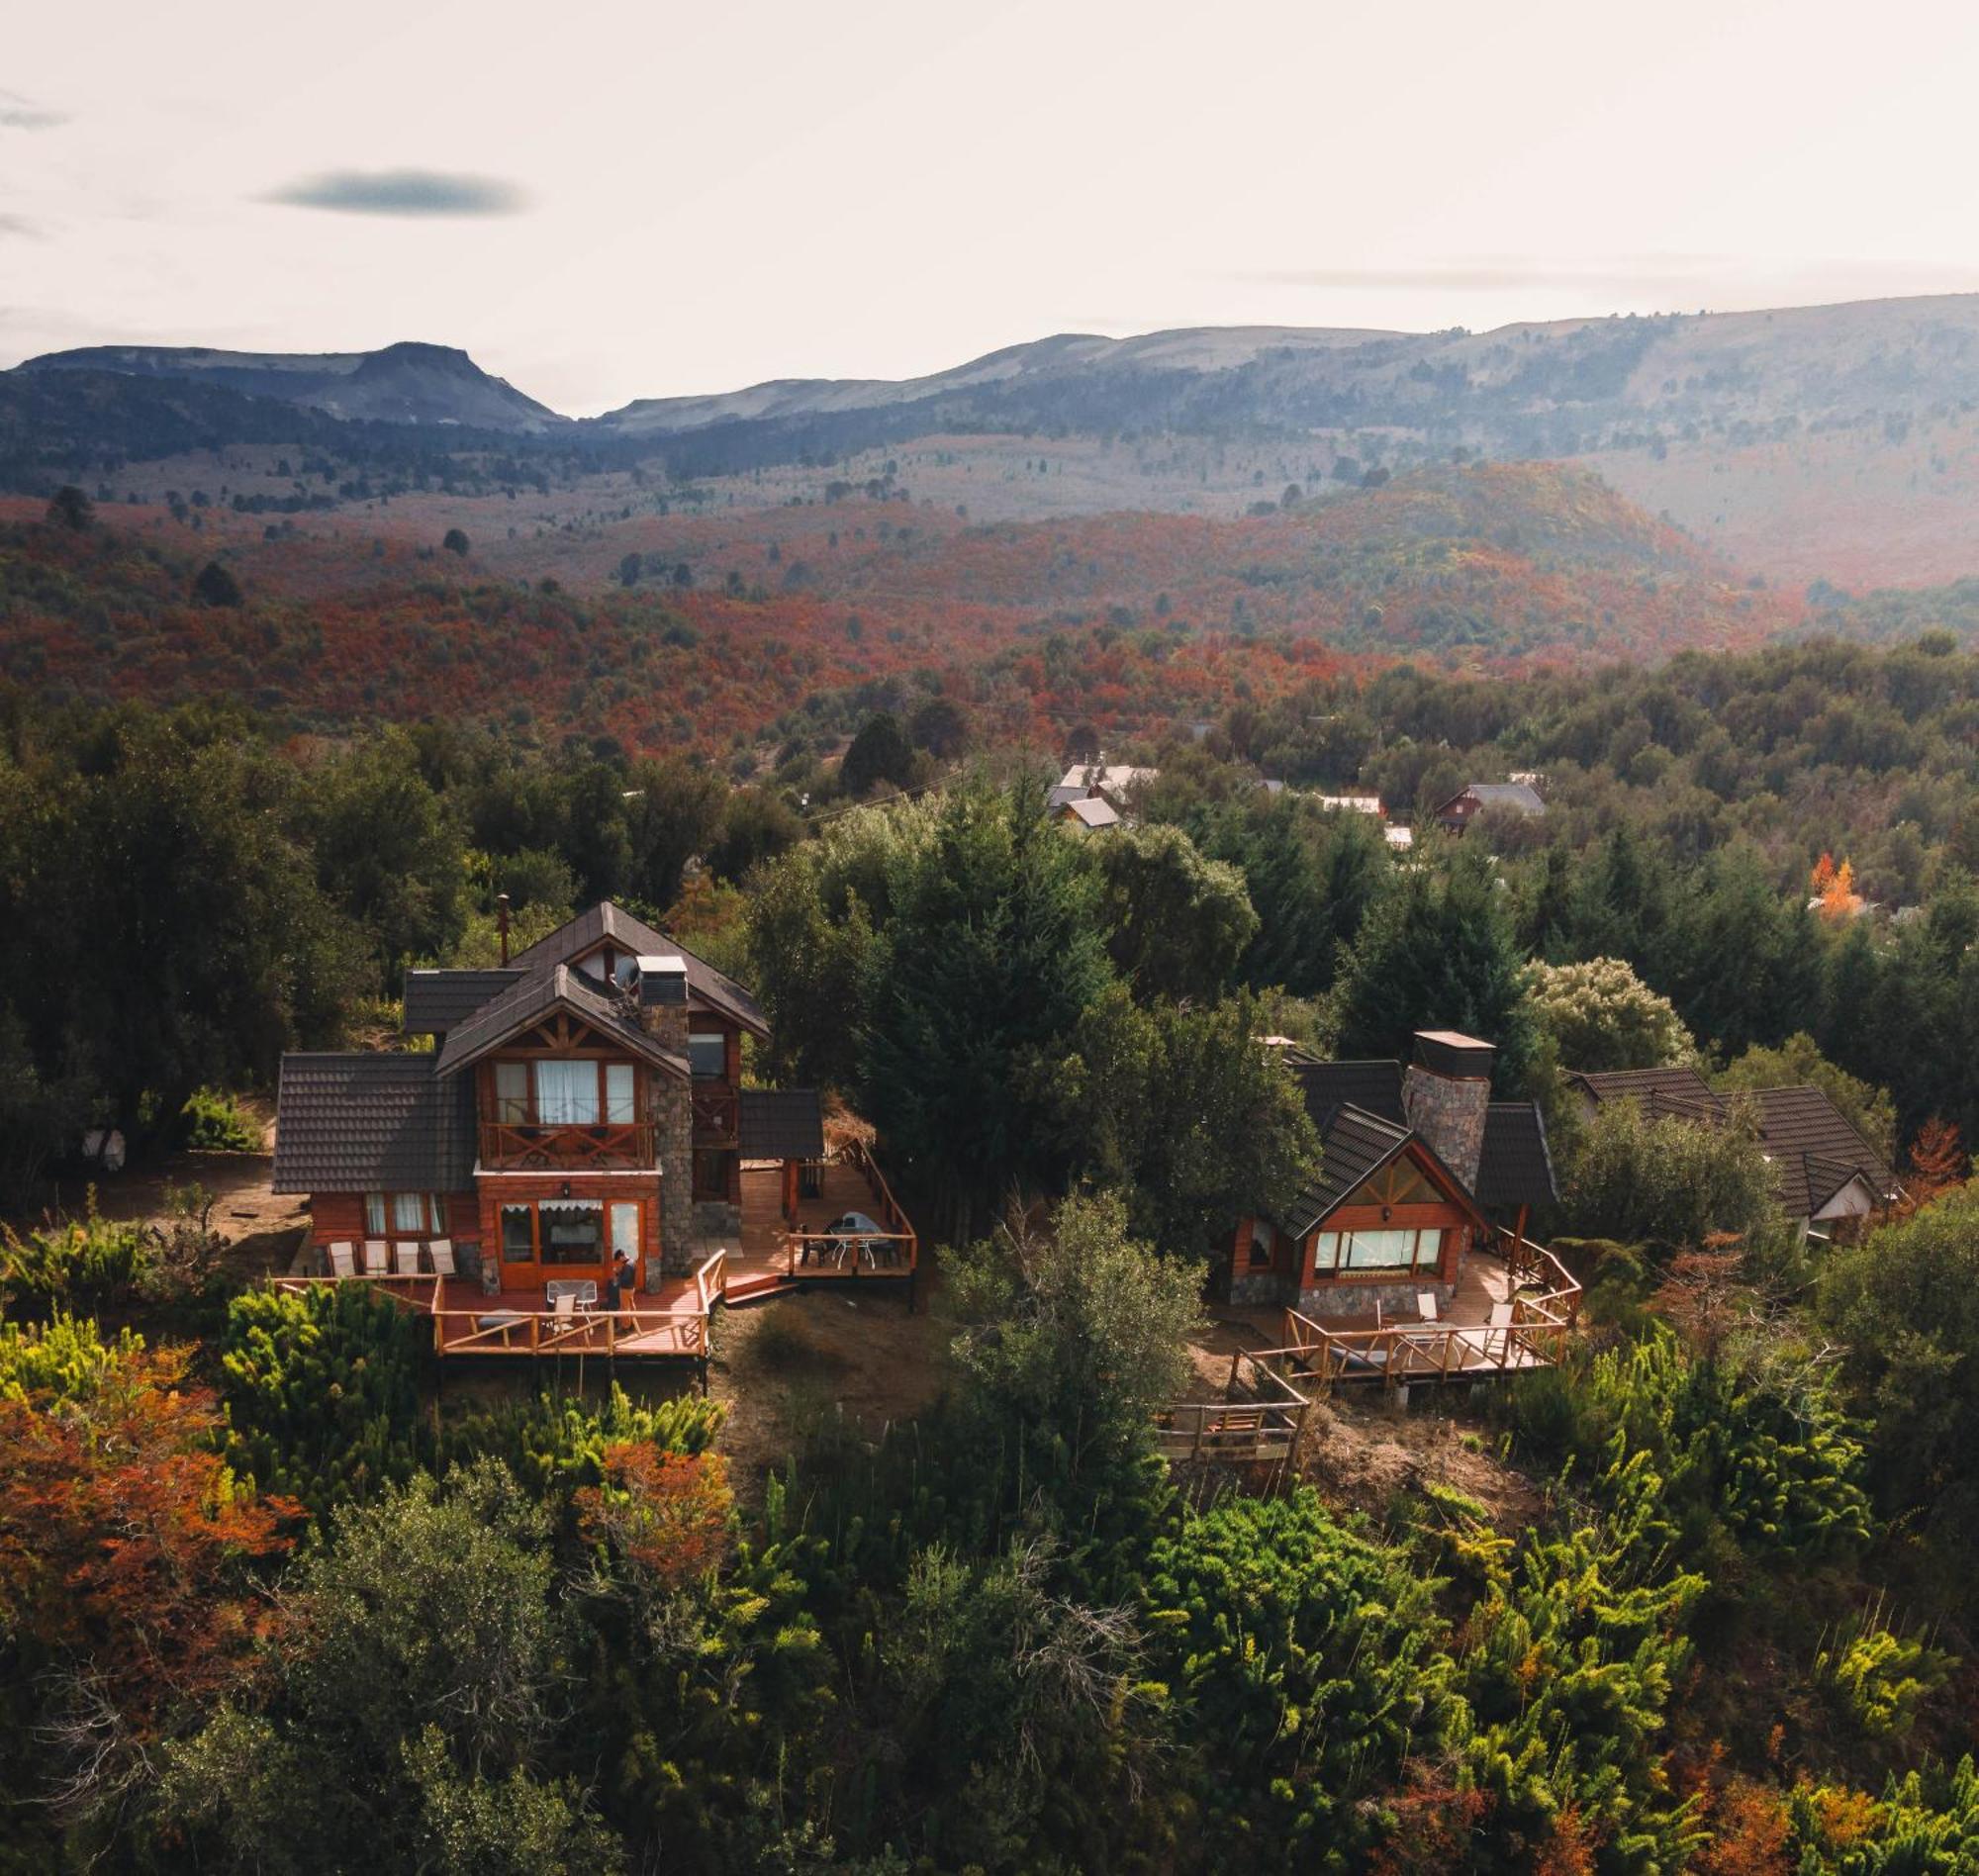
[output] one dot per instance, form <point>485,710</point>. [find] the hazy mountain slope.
<point>406,383</point>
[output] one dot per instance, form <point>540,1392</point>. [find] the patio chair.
<point>344,1258</point>
<point>442,1253</point>
<point>377,1258</point>
<point>563,1305</point>
<point>1501,1330</point>
<point>406,1258</point>
<point>1426,1305</point>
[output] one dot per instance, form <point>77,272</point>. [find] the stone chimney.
<point>1445,1091</point>
<point>659,995</point>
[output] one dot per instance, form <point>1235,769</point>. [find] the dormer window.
<point>566,1091</point>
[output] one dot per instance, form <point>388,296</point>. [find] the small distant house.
<point>1352,804</point>
<point>1419,1166</point>
<point>1090,813</point>
<point>1098,781</point>
<point>1501,797</point>
<point>1399,839</point>
<point>1825,1175</point>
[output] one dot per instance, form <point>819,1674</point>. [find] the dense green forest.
<point>259,1605</point>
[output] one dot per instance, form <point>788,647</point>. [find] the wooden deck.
<point>1514,1307</point>
<point>776,1252</point>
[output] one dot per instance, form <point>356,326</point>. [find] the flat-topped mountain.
<point>406,383</point>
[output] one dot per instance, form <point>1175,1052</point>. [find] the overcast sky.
<point>608,201</point>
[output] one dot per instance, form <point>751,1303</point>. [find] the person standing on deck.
<point>618,1282</point>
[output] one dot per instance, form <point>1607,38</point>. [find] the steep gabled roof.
<point>439,1001</point>
<point>538,995</point>
<point>1815,1150</point>
<point>604,920</point>
<point>1355,1145</point>
<point>1376,1087</point>
<point>372,1123</point>
<point>1515,1167</point>
<point>782,1123</point>
<point>1093,813</point>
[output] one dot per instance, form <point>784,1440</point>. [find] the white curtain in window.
<point>567,1093</point>
<point>618,1093</point>
<point>625,1229</point>
<point>408,1211</point>
<point>374,1214</point>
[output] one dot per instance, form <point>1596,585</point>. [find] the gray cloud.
<point>19,225</point>
<point>400,192</point>
<point>24,114</point>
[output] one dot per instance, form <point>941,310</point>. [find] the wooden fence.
<point>1260,1419</point>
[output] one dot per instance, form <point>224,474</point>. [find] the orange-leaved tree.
<point>125,1549</point>
<point>665,1513</point>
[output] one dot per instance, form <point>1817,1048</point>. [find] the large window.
<point>619,1094</point>
<point>511,1092</point>
<point>559,1091</point>
<point>571,1231</point>
<point>404,1214</point>
<point>1363,1251</point>
<point>567,1093</point>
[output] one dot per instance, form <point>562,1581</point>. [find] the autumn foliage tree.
<point>124,1549</point>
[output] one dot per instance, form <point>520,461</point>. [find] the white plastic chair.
<point>377,1258</point>
<point>344,1258</point>
<point>1426,1305</point>
<point>442,1253</point>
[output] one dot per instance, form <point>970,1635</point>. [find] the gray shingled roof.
<point>704,983</point>
<point>1376,1087</point>
<point>1815,1150</point>
<point>532,999</point>
<point>1515,1167</point>
<point>372,1123</point>
<point>1682,1091</point>
<point>1354,1144</point>
<point>782,1123</point>
<point>439,1001</point>
<point>1520,796</point>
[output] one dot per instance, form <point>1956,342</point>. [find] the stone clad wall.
<point>1450,1115</point>
<point>673,1117</point>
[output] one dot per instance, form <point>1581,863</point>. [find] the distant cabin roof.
<point>1093,813</point>
<point>1099,776</point>
<point>1519,798</point>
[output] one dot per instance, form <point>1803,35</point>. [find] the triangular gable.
<point>544,1000</point>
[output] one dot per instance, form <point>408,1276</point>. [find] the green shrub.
<point>556,1446</point>
<point>84,1260</point>
<point>322,1392</point>
<point>63,1360</point>
<point>212,1122</point>
<point>1876,1678</point>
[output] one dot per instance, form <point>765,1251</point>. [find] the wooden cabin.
<point>1419,1166</point>
<point>583,1099</point>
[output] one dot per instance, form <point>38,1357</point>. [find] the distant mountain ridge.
<point>404,383</point>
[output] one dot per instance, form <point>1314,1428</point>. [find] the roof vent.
<point>657,981</point>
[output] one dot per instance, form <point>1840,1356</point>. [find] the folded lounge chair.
<point>377,1258</point>
<point>406,1258</point>
<point>442,1253</point>
<point>344,1258</point>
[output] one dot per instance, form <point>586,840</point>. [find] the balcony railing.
<point>718,1116</point>
<point>516,1147</point>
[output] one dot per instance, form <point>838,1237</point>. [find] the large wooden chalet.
<point>1419,1166</point>
<point>583,1099</point>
